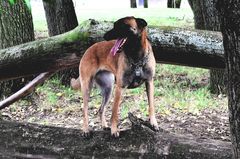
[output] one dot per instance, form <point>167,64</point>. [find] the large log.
<point>171,45</point>
<point>24,140</point>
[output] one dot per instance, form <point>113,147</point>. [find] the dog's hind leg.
<point>86,85</point>
<point>105,81</point>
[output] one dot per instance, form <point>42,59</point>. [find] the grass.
<point>163,16</point>
<point>155,17</point>
<point>177,88</point>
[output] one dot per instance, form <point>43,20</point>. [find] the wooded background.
<point>170,46</point>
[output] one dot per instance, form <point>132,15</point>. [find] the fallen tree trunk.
<point>19,140</point>
<point>195,48</point>
<point>175,46</point>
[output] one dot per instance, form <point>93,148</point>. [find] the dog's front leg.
<point>115,111</point>
<point>151,108</point>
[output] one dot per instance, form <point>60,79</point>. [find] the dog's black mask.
<point>122,28</point>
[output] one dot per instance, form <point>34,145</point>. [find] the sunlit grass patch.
<point>177,88</point>
<point>154,16</point>
<point>184,89</point>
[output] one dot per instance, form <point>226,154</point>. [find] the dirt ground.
<point>206,124</point>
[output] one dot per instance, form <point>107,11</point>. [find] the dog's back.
<point>97,51</point>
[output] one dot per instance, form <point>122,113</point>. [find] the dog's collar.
<point>137,66</point>
<point>140,63</point>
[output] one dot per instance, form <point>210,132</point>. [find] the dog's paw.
<point>87,134</point>
<point>155,128</point>
<point>154,124</point>
<point>115,132</point>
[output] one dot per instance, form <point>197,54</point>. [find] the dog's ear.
<point>115,32</point>
<point>119,23</point>
<point>141,22</point>
<point>110,35</point>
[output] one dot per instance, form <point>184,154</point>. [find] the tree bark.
<point>230,22</point>
<point>133,4</point>
<point>16,27</point>
<point>171,45</point>
<point>36,141</point>
<point>61,17</point>
<point>173,3</point>
<point>145,5</point>
<point>206,18</point>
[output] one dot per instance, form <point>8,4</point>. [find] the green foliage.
<point>27,2</point>
<point>52,90</point>
<point>12,1</point>
<point>124,111</point>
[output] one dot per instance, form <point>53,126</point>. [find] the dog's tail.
<point>75,83</point>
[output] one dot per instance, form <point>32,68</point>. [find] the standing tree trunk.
<point>145,4</point>
<point>16,27</point>
<point>206,18</point>
<point>173,3</point>
<point>133,4</point>
<point>61,17</point>
<point>229,16</point>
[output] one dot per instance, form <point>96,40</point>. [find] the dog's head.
<point>126,28</point>
<point>123,29</point>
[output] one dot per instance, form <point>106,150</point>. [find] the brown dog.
<point>127,61</point>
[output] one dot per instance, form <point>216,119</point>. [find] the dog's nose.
<point>133,29</point>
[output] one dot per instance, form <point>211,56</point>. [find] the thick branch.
<point>25,90</point>
<point>36,141</point>
<point>176,46</point>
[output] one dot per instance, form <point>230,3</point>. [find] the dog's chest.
<point>135,76</point>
